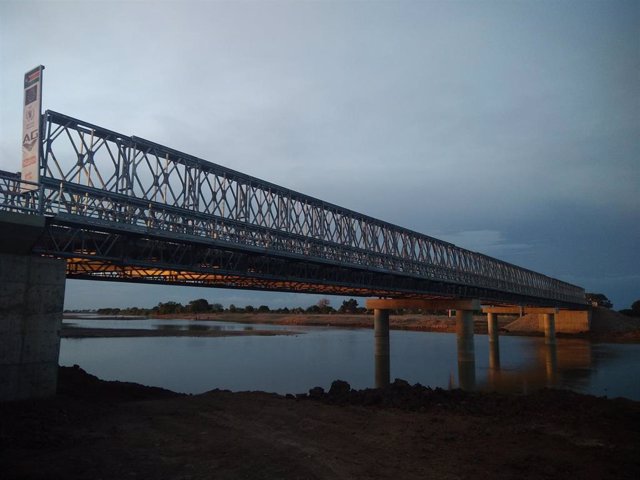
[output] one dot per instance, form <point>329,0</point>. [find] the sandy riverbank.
<point>427,323</point>
<point>113,430</point>
<point>82,332</point>
<point>607,326</point>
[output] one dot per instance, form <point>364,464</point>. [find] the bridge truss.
<point>124,208</point>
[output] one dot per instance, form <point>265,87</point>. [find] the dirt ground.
<point>111,430</point>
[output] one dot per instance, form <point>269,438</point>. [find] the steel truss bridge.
<point>123,208</point>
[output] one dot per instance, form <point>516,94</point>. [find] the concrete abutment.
<point>31,305</point>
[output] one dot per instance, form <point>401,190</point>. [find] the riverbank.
<point>83,332</point>
<point>415,322</point>
<point>607,326</point>
<point>114,430</point>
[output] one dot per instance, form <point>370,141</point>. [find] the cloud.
<point>489,242</point>
<point>510,129</point>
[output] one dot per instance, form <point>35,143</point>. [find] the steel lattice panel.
<point>99,180</point>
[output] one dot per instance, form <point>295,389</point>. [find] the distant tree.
<point>169,307</point>
<point>233,308</point>
<point>598,300</point>
<point>198,306</point>
<point>323,305</point>
<point>634,311</point>
<point>263,309</point>
<point>313,309</point>
<point>216,307</point>
<point>249,309</point>
<point>349,306</point>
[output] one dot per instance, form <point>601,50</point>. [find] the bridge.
<point>123,208</point>
<point>108,206</point>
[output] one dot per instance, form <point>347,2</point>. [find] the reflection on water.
<point>290,364</point>
<point>559,364</point>
<point>167,325</point>
<point>466,351</point>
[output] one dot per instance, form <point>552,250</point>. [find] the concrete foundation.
<point>31,303</point>
<point>570,321</point>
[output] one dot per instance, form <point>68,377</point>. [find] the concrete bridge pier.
<point>382,349</point>
<point>492,327</point>
<point>494,345</point>
<point>546,314</point>
<point>464,328</point>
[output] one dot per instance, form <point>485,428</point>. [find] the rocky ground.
<point>111,430</point>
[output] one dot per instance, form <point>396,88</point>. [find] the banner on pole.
<point>31,124</point>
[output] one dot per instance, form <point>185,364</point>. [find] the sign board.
<point>31,127</point>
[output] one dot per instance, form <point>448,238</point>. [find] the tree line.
<point>202,305</point>
<point>601,300</point>
<point>323,306</point>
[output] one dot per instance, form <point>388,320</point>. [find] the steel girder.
<point>116,256</point>
<point>94,178</point>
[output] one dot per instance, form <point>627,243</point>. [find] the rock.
<point>339,388</point>
<point>399,383</point>
<point>316,392</point>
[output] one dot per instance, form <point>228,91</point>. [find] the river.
<point>315,356</point>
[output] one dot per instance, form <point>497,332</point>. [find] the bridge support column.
<point>31,302</point>
<point>494,346</point>
<point>549,328</point>
<point>466,349</point>
<point>464,327</point>
<point>492,327</point>
<point>382,349</point>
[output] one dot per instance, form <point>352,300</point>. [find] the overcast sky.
<point>509,128</point>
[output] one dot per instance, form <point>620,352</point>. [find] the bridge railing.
<point>92,172</point>
<point>15,198</point>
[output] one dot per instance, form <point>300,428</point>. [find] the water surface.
<point>319,355</point>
